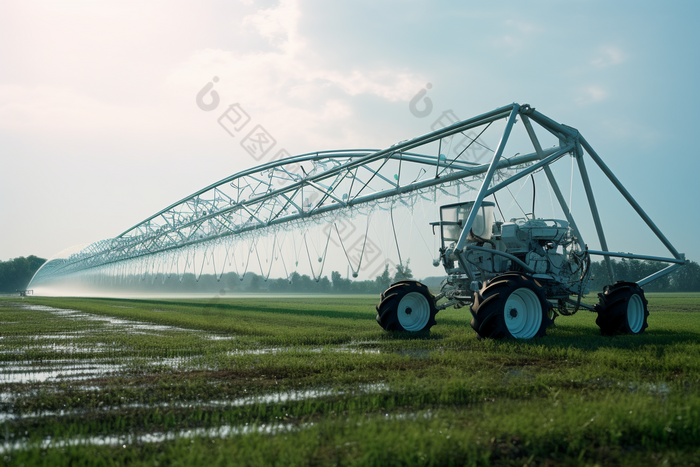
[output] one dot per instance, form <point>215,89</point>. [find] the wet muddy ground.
<point>307,383</point>
<point>95,354</point>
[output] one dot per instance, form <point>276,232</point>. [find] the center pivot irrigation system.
<point>515,275</point>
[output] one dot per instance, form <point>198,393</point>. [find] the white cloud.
<point>292,66</point>
<point>509,42</point>
<point>287,86</point>
<point>596,93</point>
<point>522,26</point>
<point>590,94</point>
<point>278,25</point>
<point>608,56</point>
<point>284,87</point>
<point>518,33</point>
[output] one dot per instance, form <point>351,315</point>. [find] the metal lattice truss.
<point>314,186</point>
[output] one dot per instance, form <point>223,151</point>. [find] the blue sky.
<point>99,128</point>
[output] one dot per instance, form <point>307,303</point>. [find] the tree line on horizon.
<point>685,279</point>
<point>15,275</point>
<point>249,282</point>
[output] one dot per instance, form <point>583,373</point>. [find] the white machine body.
<point>545,249</point>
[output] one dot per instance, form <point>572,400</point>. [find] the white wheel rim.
<point>414,311</point>
<point>523,313</point>
<point>635,313</point>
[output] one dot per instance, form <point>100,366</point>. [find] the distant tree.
<point>403,272</point>
<point>15,274</point>
<point>253,282</point>
<point>340,285</point>
<point>384,281</point>
<point>687,278</point>
<point>233,281</point>
<point>278,285</point>
<point>304,284</point>
<point>324,285</point>
<point>365,287</point>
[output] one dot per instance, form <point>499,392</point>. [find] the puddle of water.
<point>273,350</point>
<point>9,397</point>
<point>65,335</point>
<point>218,337</point>
<point>262,399</point>
<point>181,363</point>
<point>276,350</point>
<point>65,348</point>
<point>70,372</point>
<point>294,396</point>
<point>5,398</point>
<point>113,324</point>
<point>661,389</point>
<point>223,431</point>
<point>65,370</point>
<point>413,416</point>
<point>360,351</point>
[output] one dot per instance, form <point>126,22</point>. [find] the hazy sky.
<point>99,127</point>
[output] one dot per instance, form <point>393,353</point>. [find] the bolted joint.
<point>525,109</point>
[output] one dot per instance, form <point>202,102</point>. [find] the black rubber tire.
<point>388,307</point>
<point>613,306</point>
<point>406,281</point>
<point>488,310</point>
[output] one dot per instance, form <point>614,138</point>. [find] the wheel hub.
<point>523,312</point>
<point>413,311</point>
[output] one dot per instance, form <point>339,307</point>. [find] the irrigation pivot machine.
<point>515,274</point>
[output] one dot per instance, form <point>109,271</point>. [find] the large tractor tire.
<point>622,309</point>
<point>407,306</point>
<point>407,281</point>
<point>511,305</point>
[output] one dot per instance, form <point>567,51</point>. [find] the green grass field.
<point>315,381</point>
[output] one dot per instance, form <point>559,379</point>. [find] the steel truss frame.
<point>316,186</point>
